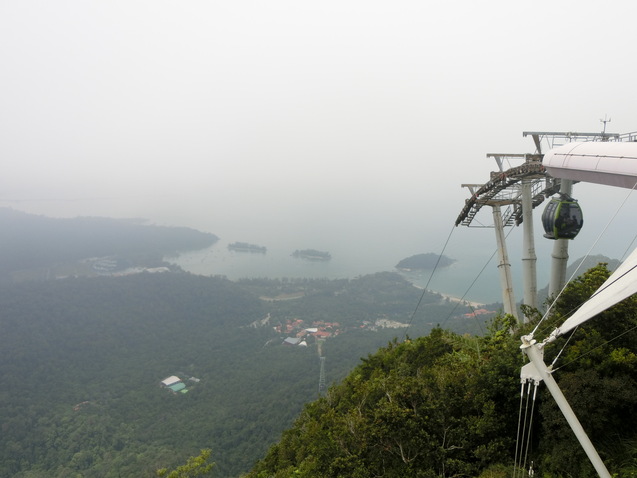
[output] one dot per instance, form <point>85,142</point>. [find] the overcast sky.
<point>276,112</point>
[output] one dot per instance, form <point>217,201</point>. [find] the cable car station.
<point>513,194</point>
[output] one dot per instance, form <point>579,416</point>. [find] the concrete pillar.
<point>529,258</point>
<point>506,282</point>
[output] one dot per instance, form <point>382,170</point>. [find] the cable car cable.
<point>526,414</point>
<point>469,288</point>
<point>629,248</point>
<point>424,290</point>
<point>595,348</point>
<point>411,319</point>
<point>528,440</point>
<point>475,280</point>
<point>517,438</point>
<point>575,308</point>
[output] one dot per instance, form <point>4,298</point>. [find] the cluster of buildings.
<point>297,332</point>
<point>383,323</point>
<point>114,266</point>
<point>176,385</point>
<point>477,312</point>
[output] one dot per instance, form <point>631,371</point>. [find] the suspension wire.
<point>517,438</point>
<point>523,439</point>
<point>582,303</point>
<point>528,440</point>
<point>630,247</point>
<point>565,344</point>
<point>527,443</point>
<point>572,310</point>
<point>614,280</point>
<point>518,463</point>
<point>588,253</point>
<point>473,315</point>
<point>526,414</point>
<point>424,290</point>
<point>595,348</point>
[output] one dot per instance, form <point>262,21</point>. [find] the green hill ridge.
<point>447,405</point>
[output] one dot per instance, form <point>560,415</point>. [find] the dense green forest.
<point>82,360</point>
<point>446,405</point>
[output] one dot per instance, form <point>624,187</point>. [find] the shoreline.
<point>235,267</point>
<point>453,298</point>
<point>475,305</point>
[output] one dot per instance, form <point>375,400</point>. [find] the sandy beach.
<point>475,305</point>
<point>451,298</point>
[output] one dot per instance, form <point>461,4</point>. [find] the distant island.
<point>424,261</point>
<point>312,255</point>
<point>34,247</point>
<point>245,247</point>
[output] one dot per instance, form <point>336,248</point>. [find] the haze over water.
<point>363,238</point>
<point>355,257</point>
<point>364,234</point>
<point>343,126</point>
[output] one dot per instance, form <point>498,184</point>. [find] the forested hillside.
<point>36,247</point>
<point>446,405</point>
<point>82,360</point>
<point>85,345</point>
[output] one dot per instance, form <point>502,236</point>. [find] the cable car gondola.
<point>562,218</point>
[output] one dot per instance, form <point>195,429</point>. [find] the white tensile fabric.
<point>621,284</point>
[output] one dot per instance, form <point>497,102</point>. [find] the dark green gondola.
<point>562,218</point>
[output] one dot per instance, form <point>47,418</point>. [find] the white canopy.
<point>621,284</point>
<point>610,163</point>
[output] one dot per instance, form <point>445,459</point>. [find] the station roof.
<point>170,380</point>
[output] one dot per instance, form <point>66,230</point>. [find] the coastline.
<point>278,263</point>
<point>475,305</point>
<point>453,298</point>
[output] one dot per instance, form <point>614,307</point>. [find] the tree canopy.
<point>447,404</point>
<point>82,360</point>
<point>424,261</point>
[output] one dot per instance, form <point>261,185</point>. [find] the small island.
<point>245,247</point>
<point>424,261</point>
<point>312,255</point>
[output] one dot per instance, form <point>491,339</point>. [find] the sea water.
<point>473,276</point>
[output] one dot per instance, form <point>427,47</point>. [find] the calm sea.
<point>359,244</point>
<point>474,276</point>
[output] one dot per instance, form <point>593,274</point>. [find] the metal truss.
<point>504,186</point>
<point>504,189</point>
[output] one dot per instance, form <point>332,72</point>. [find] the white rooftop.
<point>170,380</point>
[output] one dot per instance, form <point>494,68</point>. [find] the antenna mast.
<point>605,121</point>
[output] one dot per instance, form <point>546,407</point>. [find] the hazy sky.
<point>362,115</point>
